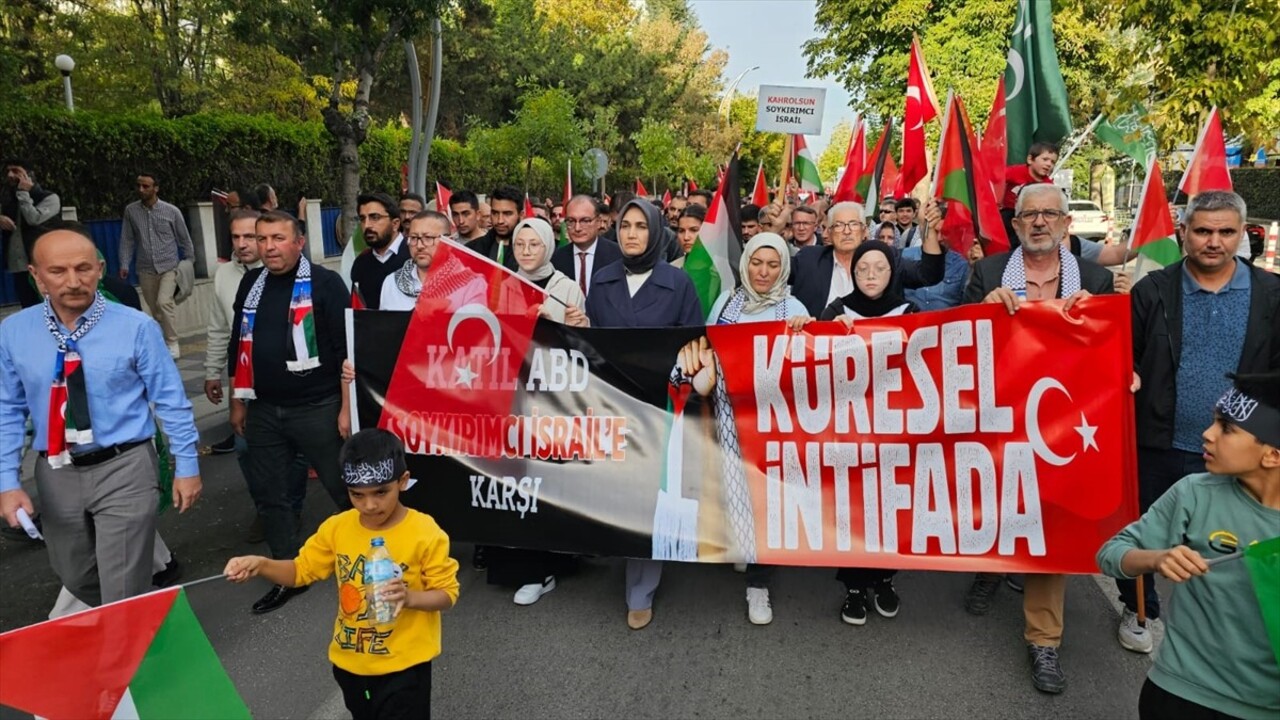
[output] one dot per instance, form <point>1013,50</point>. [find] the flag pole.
<point>1075,144</point>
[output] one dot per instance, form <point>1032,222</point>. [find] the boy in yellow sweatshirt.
<point>384,670</point>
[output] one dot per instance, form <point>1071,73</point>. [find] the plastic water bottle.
<point>379,570</point>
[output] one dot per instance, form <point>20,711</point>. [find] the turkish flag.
<point>443,196</point>
<point>994,141</point>
<point>465,343</point>
<point>921,107</point>
<point>641,191</point>
<point>760,191</point>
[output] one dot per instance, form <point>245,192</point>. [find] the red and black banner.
<point>957,440</point>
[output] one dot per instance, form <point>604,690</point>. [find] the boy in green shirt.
<point>1215,661</point>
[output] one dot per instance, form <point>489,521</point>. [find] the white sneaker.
<point>759,611</point>
<point>174,351</point>
<point>530,593</point>
<point>1133,636</point>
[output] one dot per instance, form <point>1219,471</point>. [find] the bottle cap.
<point>378,542</point>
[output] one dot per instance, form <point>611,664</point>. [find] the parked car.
<point>1088,220</point>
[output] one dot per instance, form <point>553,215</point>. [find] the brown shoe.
<point>639,619</point>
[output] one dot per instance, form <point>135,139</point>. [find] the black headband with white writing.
<point>1253,416</point>
<point>362,474</point>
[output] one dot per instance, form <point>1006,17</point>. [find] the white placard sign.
<point>794,110</point>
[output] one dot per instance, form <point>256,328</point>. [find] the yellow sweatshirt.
<point>421,549</point>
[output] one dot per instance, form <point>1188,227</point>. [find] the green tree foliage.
<point>1176,58</point>
<point>832,157</point>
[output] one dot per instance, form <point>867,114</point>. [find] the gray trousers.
<point>643,577</point>
<point>100,524</point>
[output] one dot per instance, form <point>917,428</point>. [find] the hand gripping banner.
<point>963,440</point>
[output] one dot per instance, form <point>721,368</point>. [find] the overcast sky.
<point>769,33</point>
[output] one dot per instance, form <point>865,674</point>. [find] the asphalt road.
<point>572,656</point>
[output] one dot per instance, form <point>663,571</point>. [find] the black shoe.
<point>978,600</point>
<point>478,561</point>
<point>1046,671</point>
<point>887,602</point>
<point>169,575</point>
<point>276,598</point>
<point>226,446</point>
<point>1014,582</point>
<point>854,611</point>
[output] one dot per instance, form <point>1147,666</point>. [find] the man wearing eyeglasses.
<point>804,226</point>
<point>822,273</point>
<point>1041,268</point>
<point>379,218</point>
<point>401,288</point>
<point>585,254</point>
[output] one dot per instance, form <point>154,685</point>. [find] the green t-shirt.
<point>1215,649</point>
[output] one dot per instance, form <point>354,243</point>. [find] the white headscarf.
<point>758,302</point>
<point>543,229</point>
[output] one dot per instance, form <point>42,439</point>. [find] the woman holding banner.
<point>763,297</point>
<point>534,572</point>
<point>642,290</point>
<point>875,294</point>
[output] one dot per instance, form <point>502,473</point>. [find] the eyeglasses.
<point>522,246</point>
<point>372,217</point>
<point>849,226</point>
<point>423,239</point>
<point>580,221</point>
<point>1049,215</point>
<point>886,211</point>
<point>866,273</point>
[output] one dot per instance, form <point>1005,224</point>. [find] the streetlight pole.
<point>728,95</point>
<point>65,65</point>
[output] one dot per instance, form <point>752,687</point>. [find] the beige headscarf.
<point>758,302</point>
<point>543,228</point>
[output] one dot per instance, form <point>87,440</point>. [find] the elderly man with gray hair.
<point>822,273</point>
<point>1042,268</point>
<point>1207,315</point>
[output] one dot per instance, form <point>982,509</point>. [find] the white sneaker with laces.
<point>759,611</point>
<point>530,593</point>
<point>1133,636</point>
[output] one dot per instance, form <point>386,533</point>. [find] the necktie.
<point>582,271</point>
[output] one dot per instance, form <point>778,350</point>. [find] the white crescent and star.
<point>1036,438</point>
<point>913,93</point>
<point>466,376</point>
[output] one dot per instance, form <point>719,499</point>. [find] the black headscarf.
<point>891,297</point>
<point>655,249</point>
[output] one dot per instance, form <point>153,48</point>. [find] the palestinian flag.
<point>855,159</point>
<point>145,657</point>
<point>1153,231</point>
<point>355,246</point>
<point>305,347</point>
<point>961,182</point>
<point>760,191</point>
<point>805,168</point>
<point>1262,560</point>
<point>528,208</point>
<point>641,190</point>
<point>874,179</point>
<point>709,262</point>
<point>701,268</point>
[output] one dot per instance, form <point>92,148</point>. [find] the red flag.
<point>960,180</point>
<point>1153,221</point>
<point>855,160</point>
<point>889,178</point>
<point>357,298</point>
<point>640,189</point>
<point>471,329</point>
<point>994,140</point>
<point>443,197</point>
<point>921,107</point>
<point>666,198</point>
<point>693,186</point>
<point>760,192</point>
<point>528,207</point>
<point>1208,167</point>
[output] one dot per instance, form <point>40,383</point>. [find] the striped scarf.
<point>302,320</point>
<point>69,422</point>
<point>1015,273</point>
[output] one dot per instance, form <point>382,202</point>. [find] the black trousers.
<point>1158,470</point>
<point>404,695</point>
<point>863,578</point>
<point>1156,703</point>
<point>27,295</point>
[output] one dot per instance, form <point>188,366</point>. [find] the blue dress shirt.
<point>127,368</point>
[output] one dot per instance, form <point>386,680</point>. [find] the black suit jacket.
<point>487,245</point>
<point>565,259</point>
<point>988,272</point>
<point>811,270</point>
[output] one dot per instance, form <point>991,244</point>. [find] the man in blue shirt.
<point>1193,322</point>
<point>104,365</point>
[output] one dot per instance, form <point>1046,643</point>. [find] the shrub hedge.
<point>92,159</point>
